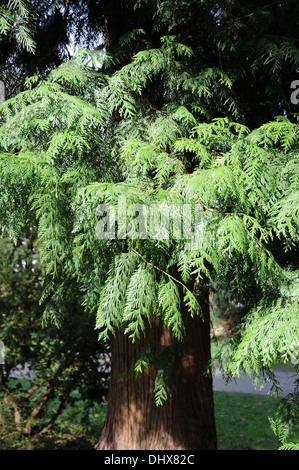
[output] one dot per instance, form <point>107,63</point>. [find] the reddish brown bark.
<point>186,420</point>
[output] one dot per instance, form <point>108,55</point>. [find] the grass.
<point>241,421</point>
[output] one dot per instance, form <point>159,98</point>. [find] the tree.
<point>146,132</point>
<point>37,36</point>
<point>56,362</point>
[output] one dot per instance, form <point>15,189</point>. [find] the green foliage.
<point>242,421</point>
<point>170,308</point>
<point>271,333</point>
<point>54,362</point>
<point>113,297</point>
<point>14,21</point>
<point>285,420</point>
<point>140,295</point>
<point>225,155</point>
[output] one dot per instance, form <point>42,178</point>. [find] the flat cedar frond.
<point>14,18</point>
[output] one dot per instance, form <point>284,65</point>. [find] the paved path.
<point>244,384</point>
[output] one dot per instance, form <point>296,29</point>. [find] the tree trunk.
<point>186,420</point>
